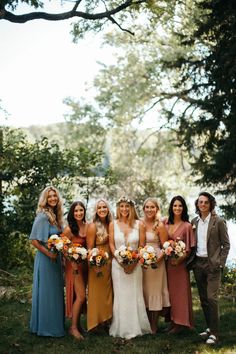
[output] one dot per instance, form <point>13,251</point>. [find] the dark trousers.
<point>208,284</point>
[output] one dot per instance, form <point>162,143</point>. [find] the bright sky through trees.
<point>40,66</point>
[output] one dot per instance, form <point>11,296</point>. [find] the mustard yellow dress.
<point>100,294</point>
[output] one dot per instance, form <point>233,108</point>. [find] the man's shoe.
<point>205,334</point>
<point>212,340</point>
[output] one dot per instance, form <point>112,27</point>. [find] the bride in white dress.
<point>129,312</point>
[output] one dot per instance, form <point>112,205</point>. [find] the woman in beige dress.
<point>99,287</point>
<point>155,287</point>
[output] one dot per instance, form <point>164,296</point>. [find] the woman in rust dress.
<point>75,274</point>
<point>99,312</point>
<point>179,228</point>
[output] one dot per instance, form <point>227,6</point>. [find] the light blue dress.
<point>47,316</point>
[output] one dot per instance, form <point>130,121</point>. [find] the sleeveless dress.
<point>47,315</point>
<point>100,292</point>
<point>179,280</point>
<point>155,289</point>
<point>69,278</point>
<point>129,312</point>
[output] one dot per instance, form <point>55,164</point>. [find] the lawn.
<point>15,336</point>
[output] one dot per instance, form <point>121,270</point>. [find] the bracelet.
<point>75,271</point>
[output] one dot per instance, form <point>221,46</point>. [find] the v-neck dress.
<point>179,280</point>
<point>129,312</point>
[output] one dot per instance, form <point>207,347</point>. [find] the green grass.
<point>15,336</point>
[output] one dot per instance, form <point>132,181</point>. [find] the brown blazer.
<point>218,244</point>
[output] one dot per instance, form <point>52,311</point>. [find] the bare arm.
<point>91,236</point>
<point>67,232</point>
<point>163,234</point>
<point>42,249</point>
<point>142,235</point>
<point>111,238</point>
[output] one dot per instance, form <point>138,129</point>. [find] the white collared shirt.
<point>202,236</point>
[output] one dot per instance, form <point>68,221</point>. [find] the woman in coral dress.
<point>100,294</point>
<point>129,313</point>
<point>179,228</point>
<point>155,287</point>
<point>75,274</point>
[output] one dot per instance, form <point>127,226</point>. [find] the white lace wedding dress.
<point>129,312</point>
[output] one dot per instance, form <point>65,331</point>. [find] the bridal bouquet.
<point>126,255</point>
<point>148,257</point>
<point>57,243</point>
<point>174,249</point>
<point>98,258</point>
<point>75,253</point>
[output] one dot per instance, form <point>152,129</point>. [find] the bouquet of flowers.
<point>98,258</point>
<point>57,243</point>
<point>126,255</point>
<point>174,249</point>
<point>75,253</point>
<point>148,257</point>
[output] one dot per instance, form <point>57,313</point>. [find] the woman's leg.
<point>79,288</point>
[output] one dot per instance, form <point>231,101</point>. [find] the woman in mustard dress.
<point>76,274</point>
<point>99,311</point>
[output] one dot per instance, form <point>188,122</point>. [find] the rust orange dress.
<point>100,294</point>
<point>179,280</point>
<point>69,279</point>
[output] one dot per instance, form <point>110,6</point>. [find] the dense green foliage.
<point>181,75</point>
<point>26,169</point>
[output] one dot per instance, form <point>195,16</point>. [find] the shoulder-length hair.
<point>133,215</point>
<point>55,215</point>
<point>184,215</point>
<point>211,199</point>
<point>71,219</point>
<point>100,226</point>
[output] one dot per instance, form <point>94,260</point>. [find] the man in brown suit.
<point>210,256</point>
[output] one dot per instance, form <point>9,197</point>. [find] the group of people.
<point>127,300</point>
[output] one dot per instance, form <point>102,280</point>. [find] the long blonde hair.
<point>132,211</point>
<point>55,216</point>
<point>157,217</point>
<point>100,227</point>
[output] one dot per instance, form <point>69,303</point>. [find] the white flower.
<point>54,237</point>
<point>166,244</point>
<point>182,245</point>
<point>150,249</point>
<point>145,255</point>
<point>122,248</point>
<point>116,253</point>
<point>59,245</point>
<point>94,252</point>
<point>75,256</point>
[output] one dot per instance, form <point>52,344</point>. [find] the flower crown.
<point>125,200</point>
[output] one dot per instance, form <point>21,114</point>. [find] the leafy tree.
<point>207,75</point>
<point>93,15</point>
<point>26,168</point>
<point>183,77</point>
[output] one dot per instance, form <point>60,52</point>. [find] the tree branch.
<point>9,16</point>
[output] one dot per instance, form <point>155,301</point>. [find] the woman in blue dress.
<point>47,316</point>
